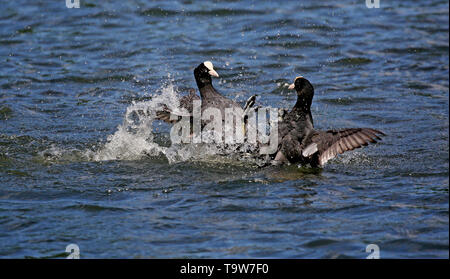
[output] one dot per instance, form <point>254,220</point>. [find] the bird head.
<point>305,90</point>
<point>204,72</point>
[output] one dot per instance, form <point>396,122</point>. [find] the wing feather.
<point>334,142</point>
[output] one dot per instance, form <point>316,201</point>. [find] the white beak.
<point>213,73</point>
<point>292,86</point>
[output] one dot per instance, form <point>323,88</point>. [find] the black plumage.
<point>300,143</point>
<point>210,97</point>
<point>186,102</point>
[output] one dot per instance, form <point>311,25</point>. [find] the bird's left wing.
<point>329,144</point>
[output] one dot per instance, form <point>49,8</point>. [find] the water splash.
<point>134,138</point>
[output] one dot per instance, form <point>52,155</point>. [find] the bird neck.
<point>302,109</point>
<point>207,90</point>
<point>303,105</point>
<point>202,81</point>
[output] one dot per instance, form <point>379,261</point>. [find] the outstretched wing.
<point>330,143</point>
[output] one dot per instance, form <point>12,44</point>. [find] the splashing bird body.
<point>300,143</point>
<point>210,97</point>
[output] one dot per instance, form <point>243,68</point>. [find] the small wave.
<point>5,112</point>
<point>159,12</point>
<point>351,61</point>
<point>11,42</point>
<point>345,101</point>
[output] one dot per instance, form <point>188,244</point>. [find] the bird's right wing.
<point>186,107</point>
<point>165,114</point>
